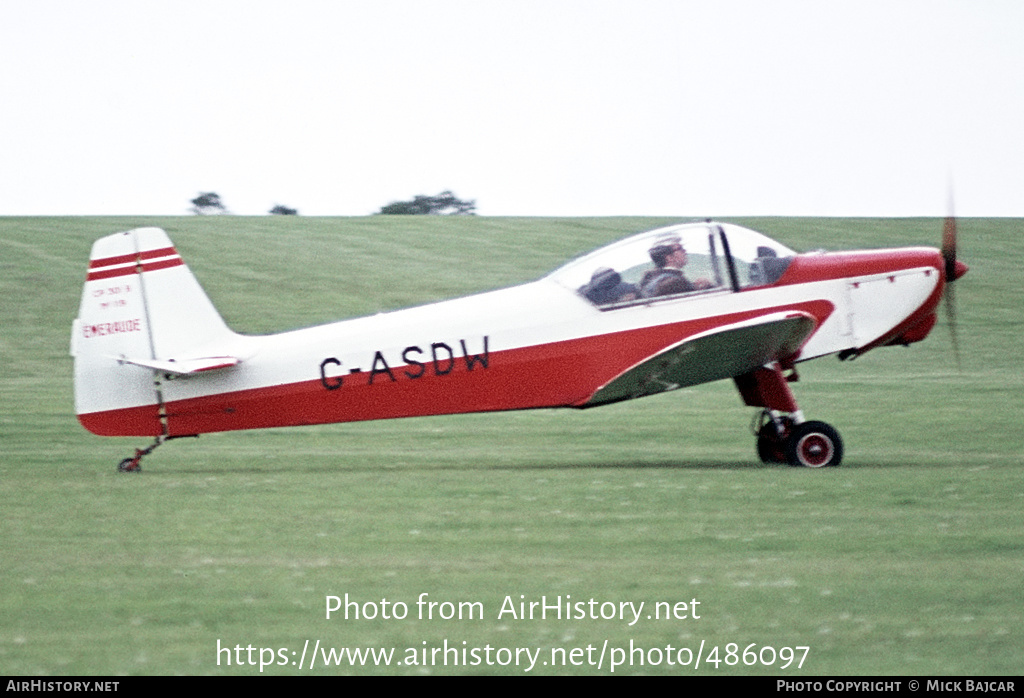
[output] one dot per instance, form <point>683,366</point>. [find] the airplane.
<point>660,310</point>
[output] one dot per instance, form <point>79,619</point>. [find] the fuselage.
<point>540,344</point>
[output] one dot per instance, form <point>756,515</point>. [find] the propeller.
<point>954,269</point>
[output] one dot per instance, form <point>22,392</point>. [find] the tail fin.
<point>142,314</point>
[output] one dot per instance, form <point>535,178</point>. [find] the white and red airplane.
<point>660,310</point>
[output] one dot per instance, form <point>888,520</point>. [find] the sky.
<point>529,107</point>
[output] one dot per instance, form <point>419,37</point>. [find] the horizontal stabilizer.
<point>184,367</point>
<point>721,353</point>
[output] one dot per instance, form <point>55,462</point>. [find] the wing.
<point>184,367</point>
<point>724,352</point>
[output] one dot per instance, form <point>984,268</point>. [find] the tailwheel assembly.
<point>132,464</point>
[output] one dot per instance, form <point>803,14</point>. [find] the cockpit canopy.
<point>719,257</point>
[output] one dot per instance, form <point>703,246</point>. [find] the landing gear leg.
<point>132,464</point>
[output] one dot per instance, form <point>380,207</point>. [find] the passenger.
<point>607,286</point>
<point>667,278</point>
<point>772,265</point>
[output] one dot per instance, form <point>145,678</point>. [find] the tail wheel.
<point>129,465</point>
<point>132,465</point>
<point>814,445</point>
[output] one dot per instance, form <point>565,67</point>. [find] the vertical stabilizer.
<point>140,305</point>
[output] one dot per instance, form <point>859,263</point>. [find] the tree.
<point>207,203</point>
<point>280,210</point>
<point>444,204</point>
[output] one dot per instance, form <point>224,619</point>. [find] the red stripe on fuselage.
<point>558,374</point>
<point>130,421</point>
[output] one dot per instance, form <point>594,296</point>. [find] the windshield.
<point>758,260</point>
<point>678,260</point>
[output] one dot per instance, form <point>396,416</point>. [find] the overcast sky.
<point>546,107</point>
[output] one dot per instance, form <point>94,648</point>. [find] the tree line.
<point>443,204</point>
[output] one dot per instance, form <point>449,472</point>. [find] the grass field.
<point>907,560</point>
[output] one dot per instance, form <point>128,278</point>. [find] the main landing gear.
<point>780,439</point>
<point>783,435</point>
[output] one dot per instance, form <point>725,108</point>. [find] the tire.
<point>770,447</point>
<point>128,465</point>
<point>814,445</point>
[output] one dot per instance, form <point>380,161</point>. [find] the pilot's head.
<point>668,251</point>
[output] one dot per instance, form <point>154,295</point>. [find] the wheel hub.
<point>815,450</point>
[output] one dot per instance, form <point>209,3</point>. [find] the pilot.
<point>607,286</point>
<point>667,278</point>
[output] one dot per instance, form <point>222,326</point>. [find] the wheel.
<point>129,465</point>
<point>814,445</point>
<point>770,447</point>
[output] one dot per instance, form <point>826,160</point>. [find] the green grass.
<point>906,560</point>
